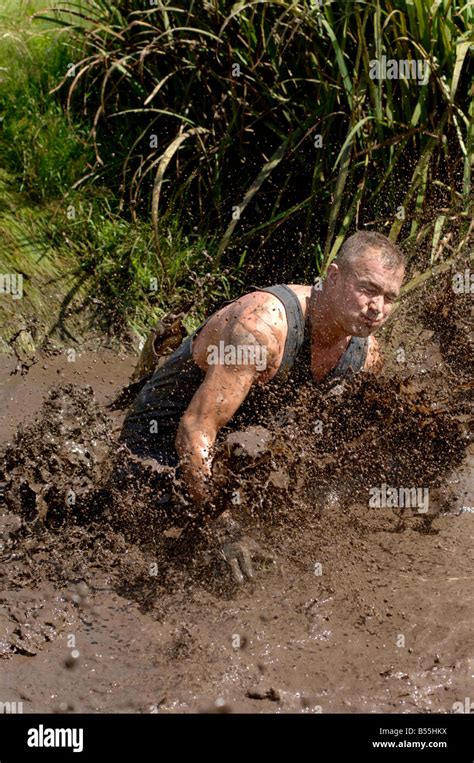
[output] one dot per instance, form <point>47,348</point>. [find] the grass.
<point>235,96</point>
<point>38,144</point>
<point>40,157</point>
<point>77,253</point>
<point>197,147</point>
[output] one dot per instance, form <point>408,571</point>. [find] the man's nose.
<point>376,304</point>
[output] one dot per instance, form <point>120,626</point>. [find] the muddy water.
<point>366,609</point>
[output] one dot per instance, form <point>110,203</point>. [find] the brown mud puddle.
<point>108,606</point>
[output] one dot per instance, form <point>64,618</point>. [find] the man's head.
<point>364,281</point>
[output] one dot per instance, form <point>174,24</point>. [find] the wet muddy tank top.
<point>151,424</point>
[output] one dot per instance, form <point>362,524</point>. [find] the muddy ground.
<point>109,605</point>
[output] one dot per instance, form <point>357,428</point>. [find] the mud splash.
<point>123,607</point>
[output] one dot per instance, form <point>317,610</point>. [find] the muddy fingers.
<point>246,561</point>
<point>239,556</point>
<point>235,569</point>
<point>237,549</point>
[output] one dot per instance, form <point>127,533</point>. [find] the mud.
<point>111,603</point>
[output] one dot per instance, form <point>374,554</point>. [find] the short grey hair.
<point>362,242</point>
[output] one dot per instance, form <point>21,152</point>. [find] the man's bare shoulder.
<point>303,292</point>
<point>264,314</point>
<point>258,317</point>
<point>262,305</point>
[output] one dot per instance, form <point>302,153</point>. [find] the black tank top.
<point>151,424</point>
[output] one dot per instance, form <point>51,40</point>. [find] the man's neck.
<point>324,330</point>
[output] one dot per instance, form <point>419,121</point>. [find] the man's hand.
<point>237,549</point>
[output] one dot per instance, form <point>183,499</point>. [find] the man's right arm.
<point>215,402</point>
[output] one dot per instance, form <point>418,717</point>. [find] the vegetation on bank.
<point>161,155</point>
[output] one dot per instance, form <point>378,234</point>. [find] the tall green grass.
<point>38,144</point>
<point>211,111</point>
<point>204,145</point>
<point>76,251</point>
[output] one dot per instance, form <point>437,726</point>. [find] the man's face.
<point>364,292</point>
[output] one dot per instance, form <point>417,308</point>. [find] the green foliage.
<point>37,142</point>
<point>124,275</point>
<point>234,94</point>
<point>186,141</point>
<point>47,223</point>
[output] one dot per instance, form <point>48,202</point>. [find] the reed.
<point>261,121</point>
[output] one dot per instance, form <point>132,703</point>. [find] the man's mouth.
<point>371,322</point>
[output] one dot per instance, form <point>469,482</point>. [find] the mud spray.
<point>362,492</point>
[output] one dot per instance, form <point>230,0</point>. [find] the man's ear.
<point>333,273</point>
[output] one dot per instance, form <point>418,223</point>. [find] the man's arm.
<point>215,402</point>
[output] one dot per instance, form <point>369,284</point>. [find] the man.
<point>258,340</point>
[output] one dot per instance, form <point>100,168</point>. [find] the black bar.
<point>159,736</point>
